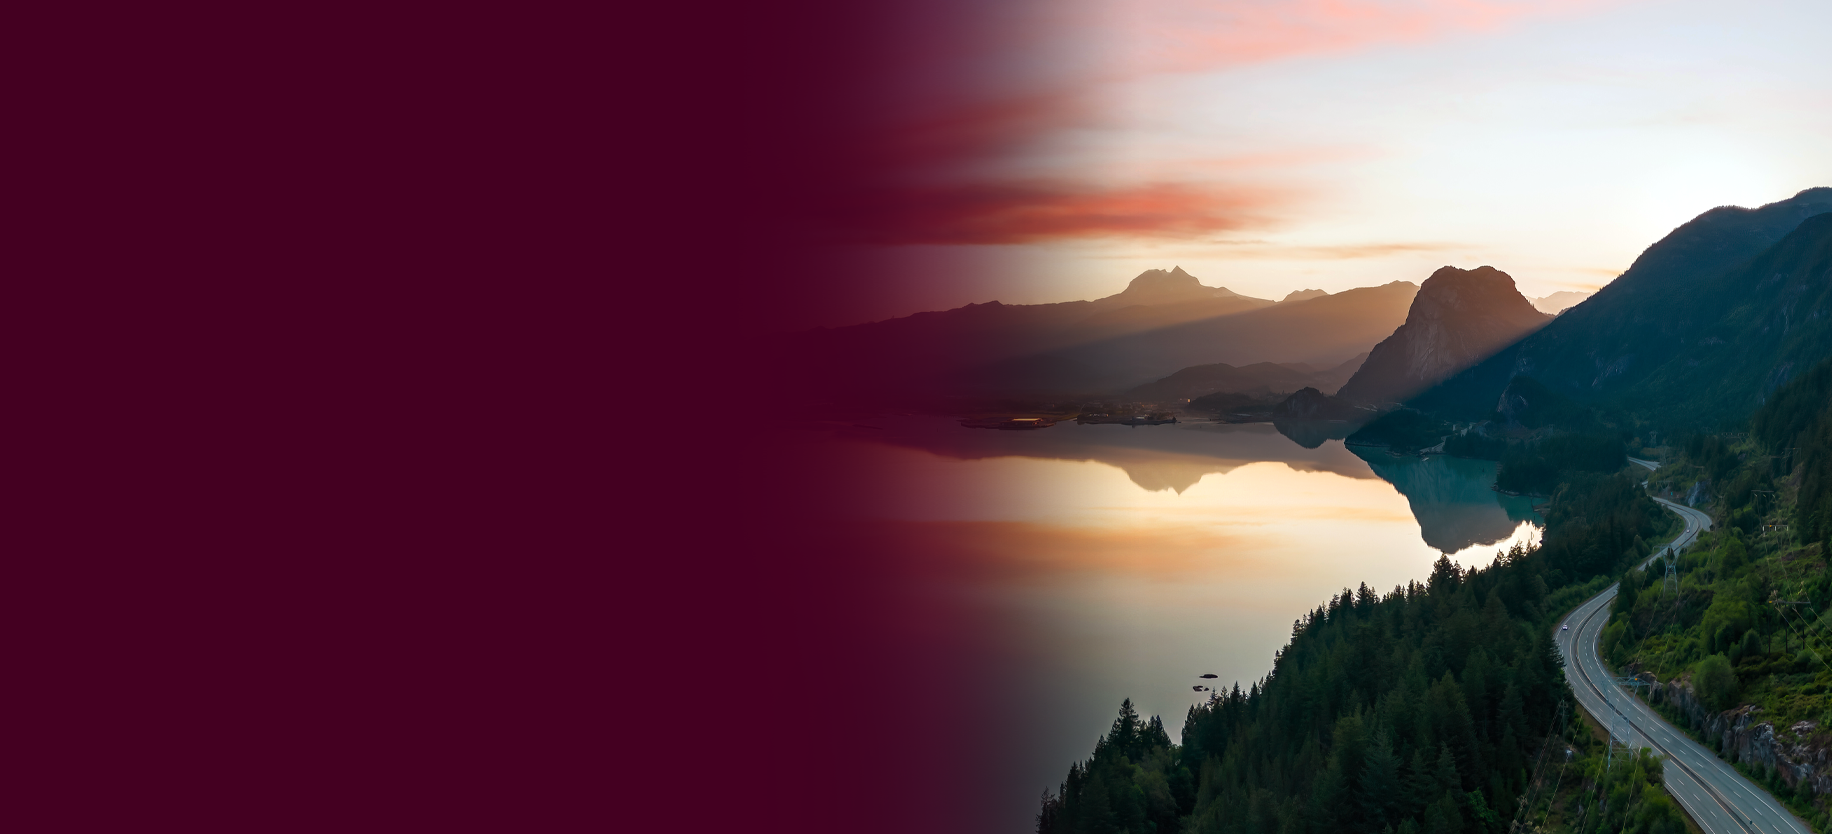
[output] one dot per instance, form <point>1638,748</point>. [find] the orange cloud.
<point>1021,212</point>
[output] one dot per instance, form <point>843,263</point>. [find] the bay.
<point>1103,562</point>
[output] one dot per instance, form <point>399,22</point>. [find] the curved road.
<point>1717,797</point>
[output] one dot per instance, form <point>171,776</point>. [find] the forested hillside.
<point>1424,709</point>
<point>1739,630</point>
<point>1705,323</point>
<point>1796,425</point>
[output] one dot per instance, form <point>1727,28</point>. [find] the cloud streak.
<point>974,146</point>
<point>1192,36</point>
<point>1031,211</point>
<point>1348,251</point>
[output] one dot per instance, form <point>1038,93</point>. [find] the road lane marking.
<point>1763,803</point>
<point>1596,692</point>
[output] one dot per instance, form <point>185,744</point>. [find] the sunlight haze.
<point>1340,145</point>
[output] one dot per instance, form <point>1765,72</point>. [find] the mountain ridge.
<point>1606,349</point>
<point>1256,378</point>
<point>1100,347</point>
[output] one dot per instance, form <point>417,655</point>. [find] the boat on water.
<point>1128,419</point>
<point>1008,423</point>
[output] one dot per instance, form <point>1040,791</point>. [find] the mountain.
<point>1558,302</point>
<point>1302,295</point>
<point>1779,325</point>
<point>1459,318</point>
<point>1165,321</point>
<point>1702,325</point>
<point>1327,330</point>
<point>1311,404</point>
<point>1156,286</point>
<point>936,352</point>
<point>1258,378</point>
<point>1137,318</point>
<point>1309,417</point>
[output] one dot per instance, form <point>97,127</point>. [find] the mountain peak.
<point>1459,317</point>
<point>1559,301</point>
<point>1302,295</point>
<point>1157,286</point>
<point>1159,279</point>
<point>1484,290</point>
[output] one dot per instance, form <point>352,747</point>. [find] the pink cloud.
<point>976,94</point>
<point>1190,35</point>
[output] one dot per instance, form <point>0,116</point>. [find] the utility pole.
<point>1805,632</point>
<point>1618,725</point>
<point>1524,814</point>
<point>1672,578</point>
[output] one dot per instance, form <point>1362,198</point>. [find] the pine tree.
<point>1124,739</point>
<point>1380,783</point>
<point>1047,815</point>
<point>1443,816</point>
<point>1421,787</point>
<point>1512,715</point>
<point>1444,774</point>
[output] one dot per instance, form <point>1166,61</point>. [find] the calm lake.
<point>1104,562</point>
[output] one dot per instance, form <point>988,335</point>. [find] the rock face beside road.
<point>1799,752</point>
<point>1459,318</point>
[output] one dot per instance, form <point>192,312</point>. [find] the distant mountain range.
<point>1326,330</point>
<point>1263,378</point>
<point>1558,302</point>
<point>1163,322</point>
<point>1699,329</point>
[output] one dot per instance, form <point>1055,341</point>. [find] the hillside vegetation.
<point>1706,322</point>
<point>1741,620</point>
<point>1425,710</point>
<point>1429,709</point>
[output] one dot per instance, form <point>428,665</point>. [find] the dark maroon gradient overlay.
<point>364,364</point>
<point>816,680</point>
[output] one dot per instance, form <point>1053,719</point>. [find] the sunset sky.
<point>1047,151</point>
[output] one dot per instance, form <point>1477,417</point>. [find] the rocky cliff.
<point>1802,751</point>
<point>1459,318</point>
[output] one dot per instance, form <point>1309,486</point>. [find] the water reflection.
<point>1170,457</point>
<point>1452,498</point>
<point>1122,562</point>
<point>1311,434</point>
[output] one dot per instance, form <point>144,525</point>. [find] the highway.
<point>1718,798</point>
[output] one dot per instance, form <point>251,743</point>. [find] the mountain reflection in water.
<point>1313,433</point>
<point>1451,498</point>
<point>1069,567</point>
<point>1173,457</point>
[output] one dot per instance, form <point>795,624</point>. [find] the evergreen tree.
<point>1380,784</point>
<point>1415,711</point>
<point>1444,776</point>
